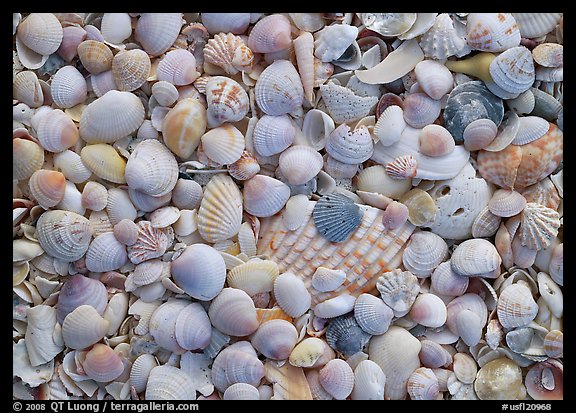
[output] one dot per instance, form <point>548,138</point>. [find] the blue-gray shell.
<point>336,217</point>
<point>345,335</point>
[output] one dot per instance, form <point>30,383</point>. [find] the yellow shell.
<point>183,127</point>
<point>95,56</point>
<point>130,69</point>
<point>27,157</point>
<point>421,206</point>
<point>104,162</point>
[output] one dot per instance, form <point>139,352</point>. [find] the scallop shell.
<point>344,105</point>
<point>336,217</point>
<point>390,125</point>
<point>116,27</point>
<point>273,134</point>
<point>539,226</point>
<point>111,117</point>
<point>506,203</point>
<point>534,25</point>
<point>253,277</point>
<point>235,23</point>
<point>513,70</point>
<point>79,290</point>
<point>337,378</point>
<point>178,67</point>
<point>398,290</point>
<point>372,315</point>
<point>275,339</point>
<point>64,235</point>
<point>291,294</point>
<point>270,34</point>
<point>264,196</point>
<point>41,32</point>
<point>232,312</point>
<point>47,187</point>
<point>443,40</point>
<point>28,157</point>
<point>26,88</point>
<point>492,32</point>
<point>140,371</point>
<point>227,101</point>
<point>96,57</point>
<point>151,243</point>
<point>130,68</point>
<point>423,253</point>
<point>234,364</point>
<point>516,307</point>
<point>83,327</point>
<point>193,329</point>
<point>279,89</point>
<point>156,32</point>
<point>229,52</point>
<point>68,87</point>
<point>169,383</point>
<point>332,41</point>
<point>345,335</point>
<point>152,168</point>
<point>474,257</point>
<point>350,146</point>
<point>402,167</point>
<point>183,127</point>
<point>104,162</point>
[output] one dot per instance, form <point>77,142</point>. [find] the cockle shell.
<point>111,117</point>
<point>513,70</point>
<point>474,257</point>
<point>102,364</point>
<point>68,87</point>
<point>428,310</point>
<point>166,95</point>
<point>116,27</point>
<point>270,34</point>
<point>291,294</point>
<point>130,68</point>
<point>435,140</point>
<point>41,32</point>
<point>105,254</point>
<point>232,312</point>
<point>434,78</point>
<point>57,132</point>
<point>27,89</point>
<point>64,235</point>
<point>187,194</point>
<point>162,324</point>
<point>47,187</point>
<point>178,67</point>
<point>516,306</point>
<point>96,57</point>
<point>534,25</point>
<point>350,146</point>
<point>79,290</point>
<point>332,41</point>
<point>423,253</point>
<point>443,40</point>
<point>300,163</point>
<point>28,158</point>
<point>539,226</point>
<point>119,206</point>
<point>390,125</point>
<point>279,89</point>
<point>264,196</point>
<point>549,54</point>
<point>140,371</point>
<point>369,381</point>
<point>334,307</point>
<point>530,128</point>
<point>241,391</point>
<point>420,110</point>
<point>193,329</point>
<point>169,383</point>
<point>344,105</point>
<point>151,243</point>
<point>372,315</point>
<point>492,32</point>
<point>466,302</point>
<point>126,232</point>
<point>275,339</point>
<point>183,126</point>
<point>156,32</point>
<point>220,212</point>
<point>237,364</point>
<point>336,217</point>
<point>254,277</point>
<point>102,83</point>
<point>479,134</point>
<point>554,344</point>
<point>147,203</point>
<point>273,134</point>
<point>337,378</point>
<point>227,101</point>
<point>83,327</point>
<point>423,384</point>
<point>402,167</point>
<point>485,224</point>
<point>325,279</point>
<point>506,203</point>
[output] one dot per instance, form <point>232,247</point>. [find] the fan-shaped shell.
<point>68,87</point>
<point>28,157</point>
<point>227,101</point>
<point>83,327</point>
<point>105,254</point>
<point>80,290</point>
<point>270,34</point>
<point>177,67</point>
<point>140,371</point>
<point>395,215</point>
<point>63,234</point>
<point>435,140</point>
<point>369,381</point>
<point>162,324</point>
<point>229,52</point>
<point>223,144</point>
<point>264,196</point>
<point>420,110</point>
<point>539,226</point>
<point>344,105</point>
<point>485,224</point>
<point>245,167</point>
<point>516,306</point>
<point>443,40</point>
<point>372,315</point>
<point>41,32</point>
<point>492,32</point>
<point>102,364</point>
<point>275,339</point>
<point>116,27</point>
<point>533,25</point>
<point>428,310</point>
<point>423,253</point>
<point>27,89</point>
<point>402,167</point>
<point>241,391</point>
<point>273,134</point>
<point>474,257</point>
<point>345,335</point>
<point>337,378</point>
<point>325,279</point>
<point>300,163</point>
<point>236,365</point>
<point>350,146</point>
<point>96,57</point>
<point>156,32</point>
<point>169,383</point>
<point>57,132</point>
<point>183,127</point>
<point>126,232</point>
<point>336,217</point>
<point>279,89</point>
<point>151,243</point>
<point>468,301</point>
<point>47,187</point>
<point>398,289</point>
<point>254,277</point>
<point>513,70</point>
<point>193,329</point>
<point>130,68</point>
<point>232,312</point>
<point>390,125</point>
<point>530,128</point>
<point>119,206</point>
<point>423,384</point>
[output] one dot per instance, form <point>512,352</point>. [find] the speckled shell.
<point>443,40</point>
<point>344,105</point>
<point>270,34</point>
<point>279,89</point>
<point>232,312</point>
<point>513,70</point>
<point>64,235</point>
<point>229,52</point>
<point>68,87</point>
<point>130,68</point>
<point>492,32</point>
<point>156,32</point>
<point>545,380</point>
<point>178,67</point>
<point>41,32</point>
<point>350,146</point>
<point>227,101</point>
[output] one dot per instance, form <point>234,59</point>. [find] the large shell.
<point>232,312</point>
<point>434,78</point>
<point>443,40</point>
<point>193,329</point>
<point>516,306</point>
<point>344,105</point>
<point>64,235</point>
<point>130,68</point>
<point>183,126</point>
<point>178,67</point>
<point>169,383</point>
<point>152,168</point>
<point>270,34</point>
<point>264,196</point>
<point>156,32</point>
<point>423,253</point>
<point>279,89</point>
<point>336,217</point>
<point>96,57</point>
<point>68,87</point>
<point>41,32</point>
<point>227,101</point>
<point>350,146</point>
<point>111,117</point>
<point>79,290</point>
<point>105,253</point>
<point>513,70</point>
<point>492,32</point>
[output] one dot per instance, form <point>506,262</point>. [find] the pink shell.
<point>402,167</point>
<point>270,34</point>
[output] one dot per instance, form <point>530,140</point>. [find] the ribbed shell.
<point>169,383</point>
<point>369,381</point>
<point>530,129</point>
<point>253,277</point>
<point>423,253</point>
<point>130,68</point>
<point>325,279</point>
<point>506,203</point>
<point>433,355</point>
<point>156,32</point>
<point>80,290</point>
<point>474,257</point>
<point>398,289</point>
<point>102,364</point>
<point>177,67</point>
<point>227,101</point>
<point>119,206</point>
<point>152,168</point>
<point>445,281</point>
<point>193,329</point>
<point>336,217</point>
<point>345,335</point>
<point>264,196</point>
<point>41,32</point>
<point>372,315</point>
<point>187,194</point>
<point>105,254</point>
<point>116,27</point>
<point>279,89</point>
<point>337,378</point>
<point>402,167</point>
<point>513,70</point>
<point>40,343</point>
<point>344,105</point>
<point>291,294</point>
<point>423,384</point>
<point>420,109</point>
<point>469,301</point>
<point>26,88</point>
<point>275,339</point>
<point>270,34</point>
<point>390,125</point>
<point>28,157</point>
<point>479,134</point>
<point>350,146</point>
<point>140,371</point>
<point>245,167</point>
<point>516,306</point>
<point>533,25</point>
<point>443,40</point>
<point>63,234</point>
<point>57,132</point>
<point>241,391</point>
<point>103,82</point>
<point>47,187</point>
<point>304,50</point>
<point>539,226</point>
<point>273,134</point>
<point>492,32</point>
<point>235,365</point>
<point>151,243</point>
<point>68,87</point>
<point>435,140</point>
<point>232,312</point>
<point>229,52</point>
<point>223,144</point>
<point>428,310</point>
<point>83,327</point>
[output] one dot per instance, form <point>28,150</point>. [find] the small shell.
<point>325,279</point>
<point>304,50</point>
<point>236,364</point>
<point>162,324</point>
<point>334,307</point>
<point>164,216</point>
<point>398,289</point>
<point>336,217</point>
<point>291,294</point>
<point>253,277</point>
<point>350,146</point>
<point>423,253</point>
<point>96,57</point>
<point>232,312</point>
<point>300,163</point>
<point>83,327</point>
<point>273,134</point>
<point>513,71</point>
<point>68,87</point>
<point>168,383</point>
<point>434,78</point>
<point>270,34</point>
<point>126,231</point>
<point>223,144</point>
<point>183,126</point>
<point>372,315</point>
<point>433,355</point>
<point>545,381</point>
<point>549,54</point>
<point>344,105</point>
<point>116,27</point>
<point>64,235</point>
<point>147,203</point>
<point>443,39</point>
<point>193,330</point>
<point>539,226</point>
<point>26,88</point>
<point>402,167</point>
<point>485,224</point>
<point>523,104</point>
<point>530,128</point>
<point>227,101</point>
<point>420,110</point>
<point>390,125</point>
<point>111,117</point>
<point>494,334</point>
<point>47,187</point>
<point>41,32</point>
<point>516,307</point>
<point>556,266</point>
<point>264,196</point>
<point>307,352</point>
<point>479,134</point>
<point>140,371</point>
<point>423,385</point>
<point>465,368</point>
<point>369,381</point>
<point>102,364</point>
<point>130,68</point>
<point>337,378</point>
<point>177,67</point>
<point>156,32</point>
<point>79,290</point>
<point>421,207</point>
<point>28,157</point>
<point>119,206</point>
<point>279,89</point>
<point>492,32</point>
<point>229,52</point>
<point>317,127</point>
<point>165,93</point>
<point>241,391</point>
<point>332,41</point>
<point>151,243</point>
<point>428,310</point>
<point>474,257</point>
<point>435,140</point>
<point>187,194</point>
<point>469,301</point>
<point>275,339</point>
<point>293,217</point>
<point>105,254</point>
<point>395,215</point>
<point>554,344</point>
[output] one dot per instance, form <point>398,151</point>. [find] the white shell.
<point>41,32</point>
<point>350,146</point>
<point>533,25</point>
<point>187,194</point>
<point>423,384</point>
<point>300,163</point>
<point>165,93</point>
<point>445,281</point>
<point>513,70</point>
<point>223,144</point>
<point>506,203</point>
<point>232,312</point>
<point>26,88</point>
<point>344,105</point>
<point>83,327</point>
<point>474,257</point>
<point>270,34</point>
<point>293,216</point>
<point>119,206</point>
<point>241,391</point>
<point>72,231</point>
<point>434,78</point>
<point>530,129</point>
<point>279,89</point>
<point>237,363</point>
<point>264,196</point>
<point>325,279</point>
<point>275,339</point>
<point>304,50</point>
<point>178,67</point>
<point>398,290</point>
<point>420,110</point>
<point>469,327</point>
<point>169,383</point>
<point>273,134</point>
<point>156,32</point>
<point>369,381</point>
<point>116,27</point>
<point>254,277</point>
<point>428,310</point>
<point>105,254</point>
<point>492,32</point>
<point>479,134</point>
<point>162,324</point>
<point>337,378</point>
<point>423,253</point>
<point>102,364</point>
<point>334,307</point>
<point>291,294</point>
<point>317,127</point>
<point>68,87</point>
<point>140,371</point>
<point>39,337</point>
<point>193,330</point>
<point>332,41</point>
<point>236,23</point>
<point>390,125</point>
<point>71,165</point>
<point>372,315</point>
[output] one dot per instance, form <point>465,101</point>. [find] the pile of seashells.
<point>288,206</point>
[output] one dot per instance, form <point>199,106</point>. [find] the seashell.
<point>187,194</point>
<point>72,199</point>
<point>304,50</point>
<point>556,266</point>
<point>468,102</point>
<point>96,57</point>
<point>317,127</point>
<point>183,126</point>
<point>47,187</point>
<point>220,212</point>
<point>551,294</point>
<point>227,101</point>
<point>479,134</point>
<point>273,134</point>
<point>264,196</point>
<point>157,180</point>
<point>530,128</point>
<point>41,32</point>
<point>402,167</point>
<point>83,327</point>
<point>300,163</point>
<point>334,307</point>
<point>116,27</point>
<point>235,23</point>
<point>428,310</point>
<point>291,294</point>
<point>492,32</point>
<point>395,215</point>
<point>465,368</point>
<point>336,217</point>
<point>308,352</point>
<point>396,352</point>
<point>533,25</point>
<point>169,383</point>
<point>469,301</point>
<point>64,235</point>
<point>421,207</point>
<point>57,132</point>
<point>187,222</point>
<point>325,279</point>
<point>119,206</point>
<point>162,324</point>
<point>369,381</point>
<point>516,307</point>
<point>178,67</point>
<point>200,271</point>
<point>506,203</point>
<point>126,231</point>
<point>275,339</point>
<point>102,83</point>
<point>350,146</point>
<point>241,391</point>
<point>147,203</point>
<point>223,144</point>
<point>485,224</point>
<point>372,315</point>
<point>270,34</point>
<point>545,381</point>
<point>151,243</point>
<point>474,257</point>
<point>26,88</point>
<point>433,355</point>
<point>434,78</point>
<point>545,105</point>
<point>130,68</point>
<point>423,23</point>
<point>332,41</point>
<point>165,93</point>
<point>279,89</point>
<point>79,290</point>
<point>253,277</point>
<point>539,226</point>
<point>420,110</point>
<point>27,156</point>
<point>554,344</point>
<point>68,87</point>
<point>423,384</point>
<point>193,329</point>
<point>105,254</point>
<point>156,32</point>
<point>234,364</point>
<point>344,105</point>
<point>513,70</point>
<point>111,117</point>
<point>548,54</point>
<point>523,104</point>
<point>499,379</point>
<point>229,52</point>
<point>337,378</point>
<point>469,327</point>
<point>40,343</point>
<point>390,125</point>
<point>164,217</point>
<point>443,39</point>
<point>435,140</point>
<point>494,334</point>
<point>423,253</point>
<point>102,364</point>
<point>147,272</point>
<point>232,312</point>
<point>140,371</point>
<point>398,289</point>
<point>293,217</point>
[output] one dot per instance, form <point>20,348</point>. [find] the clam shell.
<point>443,39</point>
<point>507,383</point>
<point>337,378</point>
<point>169,383</point>
<point>469,327</point>
<point>336,217</point>
<point>130,68</point>
<point>166,95</point>
<point>545,381</point>
<point>533,25</point>
<point>549,54</point>
<point>398,289</point>
<point>434,78</point>
<point>300,163</point>
<point>119,206</point>
<point>264,196</point>
<point>530,128</point>
<point>420,110</point>
<point>350,146</point>
<point>223,144</point>
<point>79,290</point>
<point>334,307</point>
<point>485,224</point>
<point>83,327</point>
<point>369,381</point>
<point>102,364</point>
<point>151,243</point>
<point>423,253</point>
<point>273,134</point>
<point>344,105</point>
<point>372,315</point>
<point>317,127</point>
<point>245,167</point>
<point>428,310</point>
<point>254,277</point>
<point>554,344</point>
<point>395,215</point>
<point>68,87</point>
<point>72,199</point>
<point>433,355</point>
<point>468,301</point>
<point>474,257</point>
<point>126,232</point>
<point>236,23</point>
<point>103,82</point>
<point>492,32</point>
<point>40,343</point>
<point>187,194</point>
<point>506,203</point>
<point>390,125</point>
<point>293,217</point>
<point>421,207</point>
<point>479,134</point>
<point>235,364</point>
<point>162,324</point>
<point>105,254</point>
<point>27,89</point>
<point>435,140</point>
<point>147,203</point>
<point>513,70</point>
<point>227,101</point>
<point>193,329</point>
<point>64,235</point>
<point>325,279</point>
<point>516,307</point>
<point>41,32</point>
<point>423,384</point>
<point>116,27</point>
<point>465,368</point>
<point>111,117</point>
<point>220,212</point>
<point>178,67</point>
<point>57,132</point>
<point>156,32</point>
<point>279,89</point>
<point>307,352</point>
<point>270,34</point>
<point>147,272</point>
<point>232,312</point>
<point>200,271</point>
<point>151,168</point>
<point>183,127</point>
<point>275,339</point>
<point>140,371</point>
<point>539,226</point>
<point>523,104</point>
<point>291,294</point>
<point>332,41</point>
<point>28,157</point>
<point>47,187</point>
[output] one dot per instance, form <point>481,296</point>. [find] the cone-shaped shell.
<point>178,67</point>
<point>130,68</point>
<point>372,315</point>
<point>337,378</point>
<point>344,105</point>
<point>183,126</point>
<point>279,89</point>
<point>57,132</point>
<point>156,32</point>
<point>232,312</point>
<point>96,57</point>
<point>152,168</point>
<point>336,217</point>
<point>492,32</point>
<point>169,383</point>
<point>47,187</point>
<point>111,117</point>
<point>273,134</point>
<point>300,163</point>
<point>474,257</point>
<point>79,290</point>
<point>193,329</point>
<point>223,144</point>
<point>64,235</point>
<point>264,196</point>
<point>68,87</point>
<point>304,49</point>
<point>28,157</point>
<point>516,306</point>
<point>234,364</point>
<point>41,32</point>
<point>350,146</point>
<point>227,101</point>
<point>275,339</point>
<point>83,327</point>
<point>270,34</point>
<point>220,212</point>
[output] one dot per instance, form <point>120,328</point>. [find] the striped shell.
<point>533,25</point>
<point>223,144</point>
<point>539,226</point>
<point>423,385</point>
<point>229,52</point>
<point>434,78</point>
<point>105,253</point>
<point>270,34</point>
<point>420,109</point>
<point>227,101</point>
<point>235,364</point>
<point>41,32</point>
<point>530,128</point>
<point>492,32</point>
<point>168,383</point>
<point>273,134</point>
<point>156,32</point>
<point>130,68</point>
<point>68,87</point>
<point>275,339</point>
<point>245,167</point>
<point>151,243</point>
<point>279,89</point>
<point>64,235</point>
<point>402,167</point>
<point>28,157</point>
<point>506,203</point>
<point>177,67</point>
<point>372,315</point>
<point>336,217</point>
<point>513,70</point>
<point>337,378</point>
<point>183,127</point>
<point>474,257</point>
<point>27,89</point>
